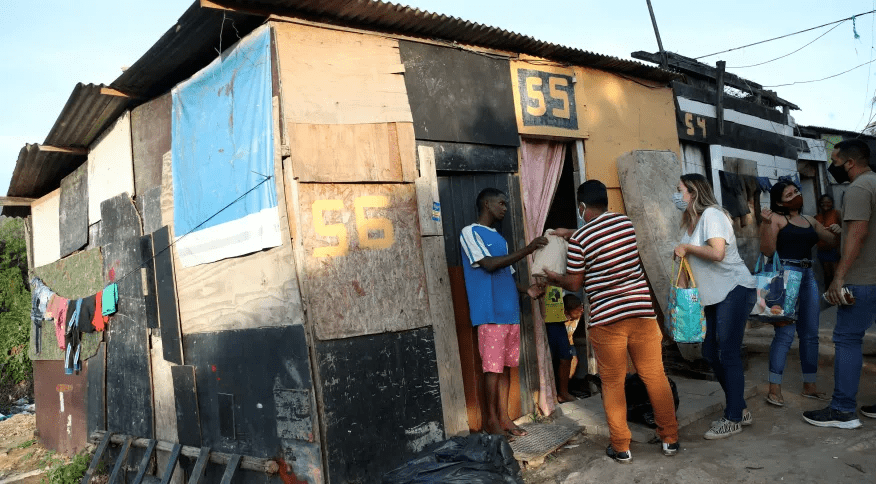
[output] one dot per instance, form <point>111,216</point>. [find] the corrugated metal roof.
<point>87,113</point>
<point>201,33</point>
<point>38,172</point>
<point>821,129</point>
<point>399,19</point>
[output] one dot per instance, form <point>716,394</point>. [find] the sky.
<point>50,45</point>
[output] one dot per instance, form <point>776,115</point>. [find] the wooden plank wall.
<point>150,137</point>
<point>46,234</point>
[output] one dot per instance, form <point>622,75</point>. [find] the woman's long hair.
<point>701,198</point>
<point>776,193</point>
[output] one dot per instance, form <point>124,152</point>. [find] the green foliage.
<point>71,473</point>
<point>25,444</point>
<point>15,365</point>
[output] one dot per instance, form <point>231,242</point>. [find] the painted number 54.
<point>364,225</point>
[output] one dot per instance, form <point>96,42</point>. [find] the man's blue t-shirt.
<point>492,296</point>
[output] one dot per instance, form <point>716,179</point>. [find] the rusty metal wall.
<point>61,406</point>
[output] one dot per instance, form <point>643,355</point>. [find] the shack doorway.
<point>458,191</point>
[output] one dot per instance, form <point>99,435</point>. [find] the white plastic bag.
<point>551,256</point>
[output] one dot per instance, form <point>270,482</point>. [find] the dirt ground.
<point>778,447</point>
<point>19,453</point>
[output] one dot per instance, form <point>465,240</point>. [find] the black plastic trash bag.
<point>639,409</point>
<point>476,459</point>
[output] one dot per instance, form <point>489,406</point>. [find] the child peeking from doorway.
<point>561,315</point>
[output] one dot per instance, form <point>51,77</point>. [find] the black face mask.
<point>839,173</point>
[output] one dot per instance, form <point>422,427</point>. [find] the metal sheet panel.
<point>62,419</point>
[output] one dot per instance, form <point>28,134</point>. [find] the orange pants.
<point>642,339</point>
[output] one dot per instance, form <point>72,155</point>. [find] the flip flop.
<point>773,400</point>
<point>816,396</point>
<point>517,432</point>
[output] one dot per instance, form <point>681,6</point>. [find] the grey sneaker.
<point>622,457</point>
<point>868,411</point>
<point>747,419</point>
<point>828,417</point>
<point>724,429</point>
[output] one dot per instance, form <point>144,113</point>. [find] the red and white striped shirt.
<point>605,251</point>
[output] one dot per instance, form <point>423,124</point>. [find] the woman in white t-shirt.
<point>726,289</point>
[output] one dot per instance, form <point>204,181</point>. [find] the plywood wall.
<point>110,166</point>
<point>621,116</point>
<point>46,236</point>
<point>333,77</point>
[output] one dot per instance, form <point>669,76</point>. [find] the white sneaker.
<point>724,429</point>
<point>747,420</point>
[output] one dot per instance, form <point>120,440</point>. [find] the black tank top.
<point>795,242</point>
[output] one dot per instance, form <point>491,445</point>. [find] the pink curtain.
<point>540,170</point>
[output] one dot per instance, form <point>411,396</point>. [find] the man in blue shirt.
<point>494,304</point>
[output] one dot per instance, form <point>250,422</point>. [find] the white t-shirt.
<point>716,279</point>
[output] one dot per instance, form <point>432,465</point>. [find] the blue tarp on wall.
<point>222,144</point>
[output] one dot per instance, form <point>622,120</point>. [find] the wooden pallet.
<point>232,462</point>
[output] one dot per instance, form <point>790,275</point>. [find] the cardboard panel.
<point>546,101</point>
<point>150,139</point>
<point>61,421</point>
<point>77,276</point>
<point>73,211</point>
<point>396,411</point>
<point>272,405</point>
<point>110,166</point>
<point>459,96</point>
<point>46,236</point>
<point>333,77</point>
<point>358,152</point>
<point>363,259</point>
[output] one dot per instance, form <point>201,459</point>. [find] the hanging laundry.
<point>57,308</point>
<point>110,296</point>
<point>40,295</point>
<point>72,337</point>
<point>733,194</point>
<point>86,314</point>
<point>97,321</point>
<point>764,183</point>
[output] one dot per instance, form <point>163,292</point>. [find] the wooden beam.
<point>63,149</point>
<point>249,463</point>
<point>16,201</point>
<point>108,91</point>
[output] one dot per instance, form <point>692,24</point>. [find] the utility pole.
<point>665,63</point>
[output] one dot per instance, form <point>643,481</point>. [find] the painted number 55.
<point>364,226</point>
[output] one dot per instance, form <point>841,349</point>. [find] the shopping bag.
<point>687,321</point>
<point>778,291</point>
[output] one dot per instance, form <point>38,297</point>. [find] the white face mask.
<point>581,211</point>
<point>678,198</point>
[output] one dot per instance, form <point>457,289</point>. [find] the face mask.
<point>839,173</point>
<point>678,198</point>
<point>581,211</point>
<point>795,203</point>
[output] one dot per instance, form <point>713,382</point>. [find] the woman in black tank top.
<point>793,236</point>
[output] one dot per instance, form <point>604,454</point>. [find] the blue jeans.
<point>851,324</point>
<point>807,330</point>
<point>725,326</point>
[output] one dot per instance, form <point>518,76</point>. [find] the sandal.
<point>817,396</point>
<point>774,400</point>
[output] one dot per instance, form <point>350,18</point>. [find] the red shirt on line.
<point>605,251</point>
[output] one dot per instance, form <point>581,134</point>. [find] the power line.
<point>798,50</point>
<point>824,78</point>
<point>786,35</point>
